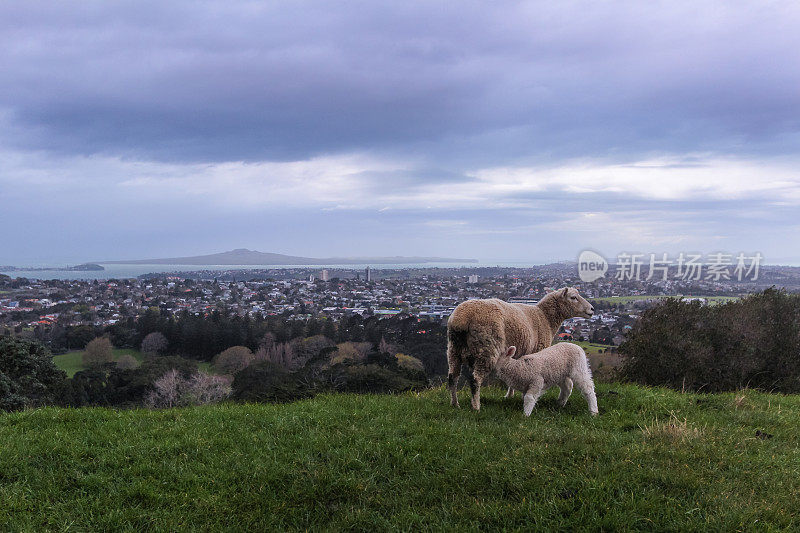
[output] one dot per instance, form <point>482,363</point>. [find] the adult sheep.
<point>479,331</point>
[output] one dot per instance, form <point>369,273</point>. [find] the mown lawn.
<point>591,348</point>
<point>72,362</point>
<point>653,460</point>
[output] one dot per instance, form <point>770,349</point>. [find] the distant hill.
<point>243,256</point>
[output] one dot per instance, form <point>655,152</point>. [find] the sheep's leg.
<point>587,390</point>
<point>566,390</point>
<point>475,390</point>
<point>531,396</point>
<point>454,362</point>
<point>509,393</point>
<point>452,382</point>
<point>479,374</point>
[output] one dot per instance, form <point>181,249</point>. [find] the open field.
<point>591,348</point>
<point>653,460</point>
<point>72,362</point>
<point>712,300</point>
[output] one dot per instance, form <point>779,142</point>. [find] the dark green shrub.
<point>28,376</point>
<point>753,342</point>
<point>266,382</point>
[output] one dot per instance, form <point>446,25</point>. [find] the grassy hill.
<point>654,459</point>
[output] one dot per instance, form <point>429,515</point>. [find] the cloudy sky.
<point>504,131</point>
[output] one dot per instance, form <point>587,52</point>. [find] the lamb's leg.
<point>509,393</point>
<point>531,396</point>
<point>587,389</point>
<point>566,390</point>
<point>454,363</point>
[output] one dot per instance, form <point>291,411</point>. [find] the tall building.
<point>473,278</point>
<point>325,276</point>
<point>368,274</point>
<point>311,278</point>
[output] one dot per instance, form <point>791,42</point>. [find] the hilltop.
<point>655,459</point>
<point>243,256</point>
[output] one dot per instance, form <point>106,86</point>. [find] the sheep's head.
<point>574,303</point>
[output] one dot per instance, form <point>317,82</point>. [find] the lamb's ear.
<point>511,351</point>
<point>565,292</point>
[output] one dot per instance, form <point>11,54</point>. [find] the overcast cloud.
<point>511,131</point>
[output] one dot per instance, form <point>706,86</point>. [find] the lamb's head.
<point>506,356</point>
<point>574,304</point>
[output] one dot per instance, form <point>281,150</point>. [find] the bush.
<point>154,343</point>
<point>233,360</point>
<point>112,386</point>
<point>351,352</point>
<point>28,376</point>
<point>753,342</point>
<point>93,386</point>
<point>98,352</point>
<point>174,390</point>
<point>266,381</point>
<point>372,379</point>
<point>127,362</point>
<point>410,363</point>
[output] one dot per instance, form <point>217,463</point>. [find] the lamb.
<point>562,365</point>
<point>479,331</point>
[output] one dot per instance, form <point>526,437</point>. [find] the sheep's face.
<point>576,304</point>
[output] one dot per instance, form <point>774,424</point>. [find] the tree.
<point>410,363</point>
<point>329,329</point>
<point>174,389</point>
<point>98,351</point>
<point>130,387</point>
<point>154,343</point>
<point>127,362</point>
<point>166,390</point>
<point>233,359</point>
<point>308,348</point>
<point>266,381</point>
<point>28,376</point>
<point>280,354</point>
<point>345,352</point>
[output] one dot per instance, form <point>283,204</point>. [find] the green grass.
<point>72,362</point>
<point>653,460</point>
<point>591,348</point>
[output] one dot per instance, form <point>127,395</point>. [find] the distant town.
<point>29,307</point>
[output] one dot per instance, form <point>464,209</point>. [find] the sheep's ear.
<point>511,351</point>
<point>565,292</point>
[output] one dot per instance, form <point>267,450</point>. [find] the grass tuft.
<point>672,430</point>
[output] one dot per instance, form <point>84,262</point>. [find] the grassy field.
<point>591,348</point>
<point>72,362</point>
<point>653,460</point>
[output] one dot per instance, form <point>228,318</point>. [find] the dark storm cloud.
<point>477,84</point>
